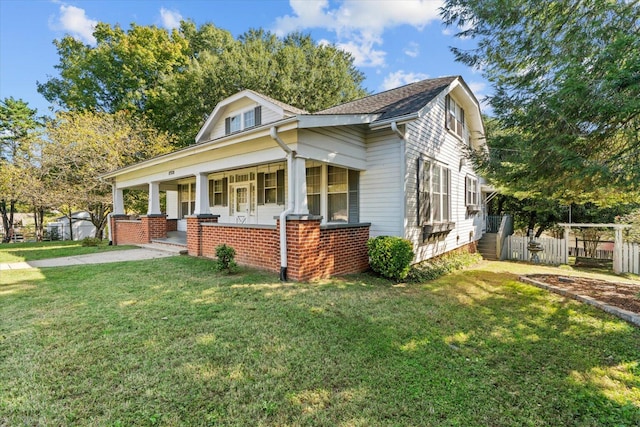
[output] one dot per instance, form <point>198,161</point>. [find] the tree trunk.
<point>5,221</point>
<point>38,215</point>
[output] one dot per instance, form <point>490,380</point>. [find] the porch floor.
<point>178,238</point>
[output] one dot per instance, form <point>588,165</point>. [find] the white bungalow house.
<point>387,164</point>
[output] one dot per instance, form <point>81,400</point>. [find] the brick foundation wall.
<point>255,246</point>
<point>128,232</point>
<point>343,250</point>
<point>172,225</point>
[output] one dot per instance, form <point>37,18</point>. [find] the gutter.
<point>273,132</point>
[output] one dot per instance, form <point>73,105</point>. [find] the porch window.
<point>337,191</point>
<point>454,117</point>
<point>218,190</point>
<point>187,194</point>
<point>434,192</point>
<point>243,120</point>
<point>271,187</point>
<point>314,175</point>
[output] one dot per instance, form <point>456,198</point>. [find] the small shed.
<point>81,223</point>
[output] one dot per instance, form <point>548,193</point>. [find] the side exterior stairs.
<point>487,246</point>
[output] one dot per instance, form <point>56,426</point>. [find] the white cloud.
<point>412,50</point>
<point>359,25</point>
<point>170,18</point>
<point>400,78</point>
<point>74,21</point>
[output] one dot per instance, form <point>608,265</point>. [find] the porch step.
<point>487,246</point>
<point>166,247</point>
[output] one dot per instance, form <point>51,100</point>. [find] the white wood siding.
<point>381,196</point>
<point>342,146</point>
<point>268,115</point>
<point>428,137</point>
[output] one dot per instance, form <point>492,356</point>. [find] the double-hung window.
<point>472,197</point>
<point>271,187</point>
<point>333,193</point>
<point>434,192</point>
<point>454,117</point>
<point>337,191</point>
<point>187,195</point>
<point>218,192</point>
<point>314,180</point>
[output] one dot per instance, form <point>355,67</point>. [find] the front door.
<point>242,204</point>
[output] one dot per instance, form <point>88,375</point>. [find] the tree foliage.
<point>177,78</point>
<point>18,133</point>
<point>81,146</point>
<point>566,76</point>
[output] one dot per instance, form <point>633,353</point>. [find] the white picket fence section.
<point>554,251</point>
<point>631,258</point>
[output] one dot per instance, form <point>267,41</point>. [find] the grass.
<point>18,252</point>
<point>121,344</point>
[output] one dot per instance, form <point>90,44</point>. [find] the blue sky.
<point>393,42</point>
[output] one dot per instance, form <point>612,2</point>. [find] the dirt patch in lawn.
<point>621,295</point>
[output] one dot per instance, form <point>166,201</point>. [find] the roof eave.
<point>197,148</point>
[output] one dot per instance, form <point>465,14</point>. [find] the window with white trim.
<point>454,120</point>
<point>434,192</point>
<point>471,193</point>
<point>187,195</point>
<point>218,190</point>
<point>337,194</point>
<point>314,180</point>
<point>243,120</point>
<point>333,193</point>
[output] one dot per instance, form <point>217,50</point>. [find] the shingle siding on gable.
<point>429,136</point>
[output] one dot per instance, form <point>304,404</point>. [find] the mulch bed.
<point>621,295</point>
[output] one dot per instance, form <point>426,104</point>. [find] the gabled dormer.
<point>241,112</point>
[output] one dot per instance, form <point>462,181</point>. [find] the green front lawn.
<point>18,252</point>
<point>170,342</point>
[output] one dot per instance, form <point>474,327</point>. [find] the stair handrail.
<point>505,230</point>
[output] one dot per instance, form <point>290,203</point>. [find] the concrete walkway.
<point>142,253</point>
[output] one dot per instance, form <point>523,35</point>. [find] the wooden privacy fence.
<point>631,258</point>
<point>554,251</point>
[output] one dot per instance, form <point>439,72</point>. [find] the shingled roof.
<point>396,102</point>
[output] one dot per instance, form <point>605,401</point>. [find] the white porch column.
<point>617,251</point>
<point>300,182</point>
<point>565,255</point>
<point>118,200</point>
<point>202,194</point>
<point>154,199</point>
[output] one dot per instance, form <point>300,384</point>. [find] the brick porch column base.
<point>112,224</point>
<point>155,226</point>
<point>194,232</point>
<point>303,245</point>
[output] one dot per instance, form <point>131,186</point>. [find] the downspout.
<point>283,215</point>
<point>403,178</point>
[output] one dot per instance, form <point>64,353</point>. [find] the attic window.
<point>454,117</point>
<point>243,120</point>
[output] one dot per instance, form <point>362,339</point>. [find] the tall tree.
<point>18,129</point>
<point>566,76</point>
<point>83,145</point>
<point>177,78</point>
